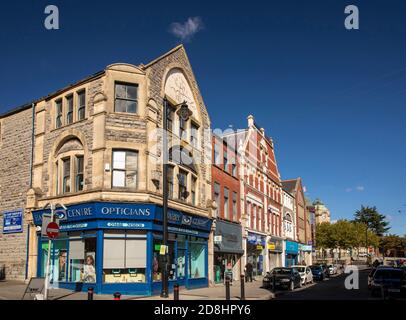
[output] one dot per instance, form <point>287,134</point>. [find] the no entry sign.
<point>52,230</point>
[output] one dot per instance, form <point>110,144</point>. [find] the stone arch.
<point>177,67</point>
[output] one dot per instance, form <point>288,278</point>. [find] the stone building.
<point>15,177</point>
<point>98,150</point>
<point>321,212</point>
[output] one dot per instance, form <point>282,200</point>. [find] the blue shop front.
<point>291,252</point>
<point>115,247</point>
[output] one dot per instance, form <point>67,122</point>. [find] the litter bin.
<point>3,272</point>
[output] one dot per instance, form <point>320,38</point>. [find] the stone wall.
<point>15,155</point>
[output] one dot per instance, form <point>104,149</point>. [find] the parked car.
<point>305,274</point>
<point>325,270</point>
<point>389,281</point>
<point>318,272</point>
<point>332,269</point>
<point>288,278</point>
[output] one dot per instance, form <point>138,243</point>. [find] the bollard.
<point>227,288</point>
<point>176,291</point>
<point>117,296</point>
<point>242,282</point>
<point>90,292</point>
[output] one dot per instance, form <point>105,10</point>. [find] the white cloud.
<point>360,188</point>
<point>186,31</point>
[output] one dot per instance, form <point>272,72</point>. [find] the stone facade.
<point>15,156</point>
<point>61,133</point>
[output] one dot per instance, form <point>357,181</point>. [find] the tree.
<point>393,245</point>
<point>375,221</point>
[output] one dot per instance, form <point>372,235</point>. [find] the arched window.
<point>69,167</point>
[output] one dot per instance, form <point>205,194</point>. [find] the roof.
<point>88,78</point>
<point>289,185</point>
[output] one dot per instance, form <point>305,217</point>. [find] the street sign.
<point>13,221</point>
<point>52,230</point>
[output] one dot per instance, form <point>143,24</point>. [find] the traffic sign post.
<point>52,231</point>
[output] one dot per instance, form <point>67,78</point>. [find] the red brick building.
<point>227,247</point>
<point>261,193</point>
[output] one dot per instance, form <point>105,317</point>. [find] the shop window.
<point>197,263</point>
<point>81,105</point>
<point>59,114</point>
<point>82,260</point>
<point>126,98</point>
<point>125,165</point>
<point>69,109</point>
<point>124,258</point>
<point>79,173</point>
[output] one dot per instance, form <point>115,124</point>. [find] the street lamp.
<point>184,113</point>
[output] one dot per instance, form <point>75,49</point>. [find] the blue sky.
<point>332,99</point>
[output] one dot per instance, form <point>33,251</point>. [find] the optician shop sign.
<point>13,221</point>
<point>127,211</point>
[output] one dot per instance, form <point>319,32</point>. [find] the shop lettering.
<point>83,212</point>
<point>125,211</point>
<point>165,310</point>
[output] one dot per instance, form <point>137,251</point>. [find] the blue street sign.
<point>13,221</point>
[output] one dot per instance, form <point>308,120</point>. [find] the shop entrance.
<point>224,264</point>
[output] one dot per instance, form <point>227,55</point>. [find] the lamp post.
<point>184,113</point>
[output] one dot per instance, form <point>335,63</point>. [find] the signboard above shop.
<point>131,215</point>
<point>13,221</point>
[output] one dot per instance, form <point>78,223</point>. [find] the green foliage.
<point>344,234</point>
<point>393,245</point>
<point>373,219</point>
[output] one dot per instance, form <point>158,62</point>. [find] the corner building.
<point>98,150</point>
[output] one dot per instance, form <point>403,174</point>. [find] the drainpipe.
<point>31,178</point>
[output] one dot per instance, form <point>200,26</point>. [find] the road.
<point>330,289</point>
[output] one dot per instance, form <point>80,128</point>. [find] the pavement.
<point>14,290</point>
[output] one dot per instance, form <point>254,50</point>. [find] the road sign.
<point>52,230</point>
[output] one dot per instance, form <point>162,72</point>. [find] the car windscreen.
<point>300,269</point>
<point>315,267</point>
<point>389,274</point>
<point>282,271</point>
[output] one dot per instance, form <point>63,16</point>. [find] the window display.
<point>197,265</point>
<point>124,257</point>
<point>82,257</point>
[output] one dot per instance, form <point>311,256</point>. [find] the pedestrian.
<point>248,271</point>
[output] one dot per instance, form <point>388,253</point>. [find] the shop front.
<point>305,254</point>
<point>256,244</point>
<point>291,253</point>
<point>115,247</point>
<point>275,252</point>
<point>227,250</point>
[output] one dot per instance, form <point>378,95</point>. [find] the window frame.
<point>81,107</point>
<point>127,84</point>
<point>79,173</point>
<point>69,109</point>
<point>59,113</point>
<point>125,169</point>
<point>65,177</point>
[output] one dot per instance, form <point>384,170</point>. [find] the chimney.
<point>250,121</point>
